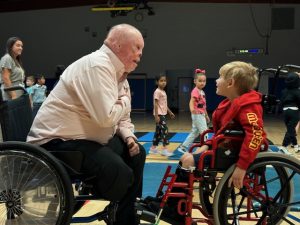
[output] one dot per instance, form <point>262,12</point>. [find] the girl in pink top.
<point>198,110</point>
<point>160,112</point>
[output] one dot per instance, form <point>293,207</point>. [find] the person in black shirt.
<point>290,100</point>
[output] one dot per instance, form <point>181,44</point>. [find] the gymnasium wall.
<point>180,36</point>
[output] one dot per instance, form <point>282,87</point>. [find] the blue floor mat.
<point>147,137</point>
<point>154,172</point>
<point>179,137</point>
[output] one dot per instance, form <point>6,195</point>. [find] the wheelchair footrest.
<point>176,195</point>
<point>144,212</point>
<point>109,213</point>
<point>180,184</point>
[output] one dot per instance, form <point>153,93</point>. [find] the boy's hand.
<point>237,178</point>
<point>172,115</point>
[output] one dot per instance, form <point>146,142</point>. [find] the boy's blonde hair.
<point>244,74</point>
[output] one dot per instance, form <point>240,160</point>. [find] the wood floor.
<point>144,122</point>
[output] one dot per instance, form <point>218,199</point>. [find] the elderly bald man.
<point>89,111</point>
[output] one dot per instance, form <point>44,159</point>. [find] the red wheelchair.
<point>267,196</point>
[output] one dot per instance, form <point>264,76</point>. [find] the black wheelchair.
<point>38,186</point>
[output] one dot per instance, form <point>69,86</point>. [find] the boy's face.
<point>200,81</point>
<point>226,87</point>
<point>29,82</point>
<point>221,86</point>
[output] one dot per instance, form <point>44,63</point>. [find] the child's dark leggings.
<point>161,131</point>
<point>291,118</point>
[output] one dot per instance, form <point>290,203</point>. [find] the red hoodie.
<point>243,113</point>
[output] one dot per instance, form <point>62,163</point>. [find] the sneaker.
<point>283,150</point>
<point>181,149</point>
<point>153,150</point>
<point>166,152</point>
<point>296,148</point>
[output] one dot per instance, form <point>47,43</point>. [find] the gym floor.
<point>144,122</point>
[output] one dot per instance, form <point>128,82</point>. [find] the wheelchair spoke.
<point>284,186</point>
<point>247,193</point>
<point>287,221</point>
<point>262,218</point>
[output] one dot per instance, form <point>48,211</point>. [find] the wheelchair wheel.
<point>207,189</point>
<point>267,195</point>
<point>34,187</point>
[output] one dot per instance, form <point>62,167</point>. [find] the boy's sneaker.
<point>284,150</point>
<point>166,152</point>
<point>181,149</point>
<point>153,150</point>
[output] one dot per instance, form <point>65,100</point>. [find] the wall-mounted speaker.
<point>283,18</point>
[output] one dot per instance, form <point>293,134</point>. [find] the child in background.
<point>38,94</point>
<point>29,84</point>
<point>290,100</point>
<point>160,112</point>
<point>198,110</point>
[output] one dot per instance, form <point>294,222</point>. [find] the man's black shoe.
<point>169,214</point>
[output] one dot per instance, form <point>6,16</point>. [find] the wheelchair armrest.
<point>203,135</point>
<point>202,140</point>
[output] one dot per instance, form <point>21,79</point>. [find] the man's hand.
<point>237,178</point>
<point>133,147</point>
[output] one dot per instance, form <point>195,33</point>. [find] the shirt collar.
<point>119,66</point>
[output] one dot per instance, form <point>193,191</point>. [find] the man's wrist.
<point>127,139</point>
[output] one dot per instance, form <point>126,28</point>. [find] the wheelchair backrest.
<point>15,117</point>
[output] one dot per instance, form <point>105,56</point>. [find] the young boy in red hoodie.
<point>241,110</point>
